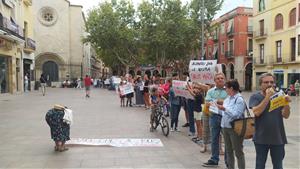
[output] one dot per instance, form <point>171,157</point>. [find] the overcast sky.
<point>227,6</point>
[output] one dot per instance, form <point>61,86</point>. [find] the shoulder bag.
<point>244,127</point>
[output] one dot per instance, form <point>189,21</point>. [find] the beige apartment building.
<point>275,41</point>
<point>17,44</point>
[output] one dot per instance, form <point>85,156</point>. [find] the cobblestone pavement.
<point>25,137</point>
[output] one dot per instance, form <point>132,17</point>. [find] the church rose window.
<point>48,16</point>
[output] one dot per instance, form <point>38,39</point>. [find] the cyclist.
<point>156,99</point>
<point>43,83</point>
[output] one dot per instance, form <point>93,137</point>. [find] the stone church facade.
<point>59,29</point>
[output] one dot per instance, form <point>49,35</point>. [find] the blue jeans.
<point>277,154</point>
<point>190,109</point>
<point>215,127</point>
<point>175,109</point>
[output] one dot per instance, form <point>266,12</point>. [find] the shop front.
<point>4,74</point>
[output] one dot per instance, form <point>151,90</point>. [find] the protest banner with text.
<point>126,89</point>
<point>203,71</point>
<point>180,89</point>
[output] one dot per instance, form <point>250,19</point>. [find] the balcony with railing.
<point>29,45</point>
<point>259,61</point>
<point>260,34</point>
<point>11,28</point>
<point>250,30</point>
<point>229,54</point>
<point>285,59</point>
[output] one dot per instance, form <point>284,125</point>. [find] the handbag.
<point>244,127</point>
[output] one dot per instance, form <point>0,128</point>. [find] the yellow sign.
<point>278,100</point>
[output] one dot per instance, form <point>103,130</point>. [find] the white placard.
<point>126,89</point>
<point>116,80</point>
<point>180,89</point>
<point>116,142</point>
<point>203,71</point>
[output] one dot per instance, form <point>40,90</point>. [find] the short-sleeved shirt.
<point>87,81</point>
<point>215,93</point>
<point>269,126</point>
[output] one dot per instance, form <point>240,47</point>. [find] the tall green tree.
<point>160,31</point>
<point>113,34</point>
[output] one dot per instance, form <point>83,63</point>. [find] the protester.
<point>156,99</point>
<point>87,84</point>
<point>121,95</point>
<point>197,90</point>
<point>60,130</point>
<point>146,91</point>
<point>184,102</point>
<point>129,96</point>
<point>233,108</point>
<point>217,95</point>
<point>138,88</point>
<point>166,90</point>
<point>175,105</point>
<point>269,127</point>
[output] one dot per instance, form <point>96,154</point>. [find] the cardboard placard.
<point>203,71</point>
<point>126,89</point>
<point>180,89</point>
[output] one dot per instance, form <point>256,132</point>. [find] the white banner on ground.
<point>116,142</point>
<point>180,89</point>
<point>126,89</point>
<point>203,71</point>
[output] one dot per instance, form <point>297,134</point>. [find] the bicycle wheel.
<point>165,126</point>
<point>155,122</point>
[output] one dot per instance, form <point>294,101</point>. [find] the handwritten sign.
<point>116,142</point>
<point>126,89</point>
<point>203,71</point>
<point>278,100</point>
<point>181,90</point>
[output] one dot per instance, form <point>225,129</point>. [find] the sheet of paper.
<point>278,100</point>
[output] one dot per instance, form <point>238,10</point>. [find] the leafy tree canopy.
<point>157,32</point>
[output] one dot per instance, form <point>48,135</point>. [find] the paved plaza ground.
<point>25,137</point>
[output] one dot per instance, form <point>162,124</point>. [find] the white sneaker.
<point>176,129</point>
<point>191,134</point>
<point>172,129</point>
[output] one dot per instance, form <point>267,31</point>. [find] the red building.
<point>230,42</point>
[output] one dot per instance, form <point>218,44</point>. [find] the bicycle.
<point>160,119</point>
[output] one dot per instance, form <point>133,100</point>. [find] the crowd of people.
<point>208,127</point>
<point>209,115</point>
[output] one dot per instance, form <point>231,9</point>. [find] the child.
<point>122,96</point>
<point>155,101</point>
